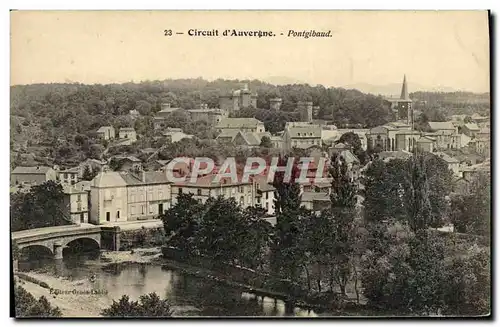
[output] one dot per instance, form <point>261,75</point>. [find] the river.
<point>189,295</point>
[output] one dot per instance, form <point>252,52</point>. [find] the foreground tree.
<point>343,203</point>
<point>42,206</point>
<point>150,305</point>
<point>468,285</point>
<point>28,306</point>
<point>471,212</point>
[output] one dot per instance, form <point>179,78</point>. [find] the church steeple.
<point>404,90</point>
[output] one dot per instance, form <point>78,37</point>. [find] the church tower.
<point>405,108</point>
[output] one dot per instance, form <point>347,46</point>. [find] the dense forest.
<point>453,103</point>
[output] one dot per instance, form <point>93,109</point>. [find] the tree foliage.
<point>149,305</point>
<point>42,206</point>
<point>26,305</point>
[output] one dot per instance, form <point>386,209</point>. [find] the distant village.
<point>139,190</point>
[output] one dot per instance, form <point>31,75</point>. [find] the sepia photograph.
<point>250,163</point>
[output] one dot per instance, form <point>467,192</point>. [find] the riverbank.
<point>81,304</point>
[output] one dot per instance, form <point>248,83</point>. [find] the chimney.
<point>143,176</point>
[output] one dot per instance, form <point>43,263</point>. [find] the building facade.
<point>32,175</point>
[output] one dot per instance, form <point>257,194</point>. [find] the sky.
<point>433,48</point>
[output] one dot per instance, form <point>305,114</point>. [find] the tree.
<point>471,212</point>
<point>416,195</point>
<point>266,142</point>
<point>149,305</point>
<point>88,174</point>
<point>404,271</point>
<point>343,203</point>
<point>181,223</point>
<point>27,306</point>
<point>42,206</point>
<point>468,285</point>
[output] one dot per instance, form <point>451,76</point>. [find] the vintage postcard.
<point>250,164</point>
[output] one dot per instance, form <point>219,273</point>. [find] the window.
<point>78,198</point>
<point>180,190</point>
<point>298,134</point>
<point>142,210</point>
<point>199,191</point>
<point>132,210</point>
<point>118,215</point>
<point>160,195</point>
<point>258,200</point>
<point>267,195</point>
<point>79,207</point>
<point>241,189</point>
<point>151,208</point>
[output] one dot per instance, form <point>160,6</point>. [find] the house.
<point>452,163</point>
<point>482,146</point>
<point>175,135</point>
<point>32,175</point>
<point>76,203</point>
<point>443,133</point>
<point>207,186</point>
<point>134,114</point>
<point>426,143</point>
<point>277,141</point>
<point>389,155</point>
<point>239,138</point>
<point>459,140</point>
<point>264,195</point>
<point>108,198</point>
<point>383,137</point>
<point>241,124</point>
<point>470,129</point>
<point>160,120</point>
<point>106,132</point>
<point>484,133</point>
<point>302,137</point>
<point>148,194</point>
<point>212,116</point>
<point>315,201</point>
<point>128,133</point>
<point>68,176</point>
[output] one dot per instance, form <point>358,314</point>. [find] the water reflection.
<point>189,295</point>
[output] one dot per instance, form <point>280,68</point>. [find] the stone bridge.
<point>55,239</point>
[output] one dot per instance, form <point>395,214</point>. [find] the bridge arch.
<point>35,251</point>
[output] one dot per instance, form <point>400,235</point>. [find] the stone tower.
<point>305,109</point>
<point>405,108</point>
<point>275,104</point>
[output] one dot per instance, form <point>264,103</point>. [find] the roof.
<point>108,179</point>
<point>314,196</point>
<point>404,90</point>
<point>209,181</point>
<point>31,170</point>
<point>394,155</point>
<point>250,138</point>
<point>129,158</point>
<point>150,177</point>
<point>305,131</point>
<point>425,139</point>
<point>228,134</point>
<point>104,129</point>
<point>127,129</point>
<point>440,125</point>
<point>446,157</point>
<point>83,185</point>
<point>349,157</point>
<point>239,123</point>
<point>472,126</point>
